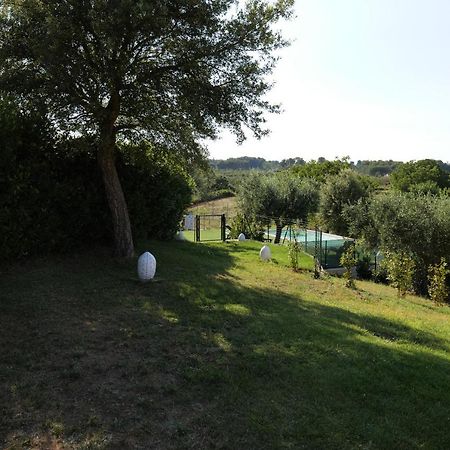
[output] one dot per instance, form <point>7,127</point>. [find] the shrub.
<point>294,249</point>
<point>157,189</point>
<point>363,269</point>
<point>437,282</point>
<point>400,268</point>
<point>348,261</point>
<point>52,195</point>
<point>250,227</point>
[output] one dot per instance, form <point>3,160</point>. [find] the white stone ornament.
<point>146,266</point>
<point>241,237</point>
<point>265,254</point>
<point>180,236</point>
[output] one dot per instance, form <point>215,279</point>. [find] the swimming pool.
<point>305,235</point>
<point>331,246</point>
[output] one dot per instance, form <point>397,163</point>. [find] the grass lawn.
<point>220,351</point>
<point>209,234</point>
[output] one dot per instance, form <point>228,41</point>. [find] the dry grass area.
<point>227,206</point>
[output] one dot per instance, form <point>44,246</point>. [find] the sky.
<point>369,79</point>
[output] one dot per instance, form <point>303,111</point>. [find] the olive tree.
<point>338,192</point>
<point>171,72</point>
<point>418,225</point>
<point>279,197</point>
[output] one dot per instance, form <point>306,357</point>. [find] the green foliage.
<point>252,228</point>
<point>244,163</point>
<point>321,169</point>
<point>210,185</point>
<point>416,224</point>
<point>348,261</point>
<point>338,193</point>
<point>170,72</point>
<point>281,198</point>
<point>438,289</point>
<point>158,191</point>
<point>401,270</point>
<point>52,196</point>
<point>425,176</point>
<point>376,168</point>
<point>294,249</point>
<point>360,221</point>
<point>363,269</point>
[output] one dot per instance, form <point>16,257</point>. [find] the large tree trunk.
<point>123,239</point>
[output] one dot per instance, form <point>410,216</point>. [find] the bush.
<point>294,249</point>
<point>380,275</point>
<point>400,268</point>
<point>437,282</point>
<point>52,195</point>
<point>348,261</point>
<point>157,190</point>
<point>363,269</point>
<point>243,224</point>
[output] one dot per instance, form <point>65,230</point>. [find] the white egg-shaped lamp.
<point>180,236</point>
<point>146,266</point>
<point>265,254</point>
<point>241,237</point>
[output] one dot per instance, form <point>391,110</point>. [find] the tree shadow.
<point>92,358</point>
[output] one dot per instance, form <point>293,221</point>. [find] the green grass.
<point>212,234</point>
<point>220,351</point>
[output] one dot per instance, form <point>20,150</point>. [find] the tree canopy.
<point>280,197</point>
<point>172,72</point>
<point>321,169</point>
<point>422,176</point>
<point>340,191</point>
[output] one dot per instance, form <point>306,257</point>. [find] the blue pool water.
<point>305,235</point>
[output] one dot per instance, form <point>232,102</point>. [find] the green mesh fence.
<point>330,246</point>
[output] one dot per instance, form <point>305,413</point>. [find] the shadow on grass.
<point>93,359</point>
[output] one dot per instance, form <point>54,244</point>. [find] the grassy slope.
<point>222,351</point>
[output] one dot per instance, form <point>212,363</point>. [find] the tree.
<point>416,224</point>
<point>339,192</point>
<point>171,72</point>
<point>279,197</point>
<point>425,176</point>
<point>321,169</point>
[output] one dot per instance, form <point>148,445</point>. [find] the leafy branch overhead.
<point>172,71</point>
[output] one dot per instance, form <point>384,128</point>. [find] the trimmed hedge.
<point>52,196</point>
